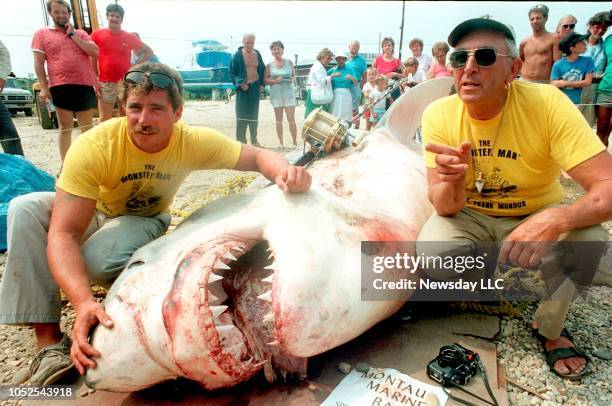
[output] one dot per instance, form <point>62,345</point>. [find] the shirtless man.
<point>536,51</point>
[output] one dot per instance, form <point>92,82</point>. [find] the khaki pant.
<point>28,293</point>
<point>469,227</point>
<point>588,99</point>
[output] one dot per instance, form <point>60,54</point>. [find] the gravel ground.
<point>519,352</point>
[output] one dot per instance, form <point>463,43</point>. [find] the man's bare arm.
<point>146,54</point>
<point>447,180</point>
<point>274,167</point>
<point>70,218</point>
<point>595,207</point>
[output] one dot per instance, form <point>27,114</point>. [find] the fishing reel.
<point>325,134</point>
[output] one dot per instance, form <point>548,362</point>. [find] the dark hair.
<point>603,17</point>
<point>277,44</point>
<point>115,8</point>
<point>175,93</point>
<point>541,9</point>
<point>62,2</point>
<point>389,40</point>
<point>416,41</point>
<point>412,61</point>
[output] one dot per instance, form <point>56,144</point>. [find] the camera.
<point>454,366</point>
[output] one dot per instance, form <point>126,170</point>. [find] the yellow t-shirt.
<point>541,132</point>
<point>104,165</point>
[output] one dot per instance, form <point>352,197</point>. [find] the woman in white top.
<point>279,75</point>
<point>318,77</point>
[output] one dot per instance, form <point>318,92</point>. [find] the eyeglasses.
<point>569,26</point>
<point>483,56</point>
<point>158,79</point>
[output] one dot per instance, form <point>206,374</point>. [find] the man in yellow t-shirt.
<point>113,195</point>
<point>493,153</point>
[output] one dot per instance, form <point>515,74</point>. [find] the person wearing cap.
<point>113,197</point>
<point>493,153</point>
<point>597,27</point>
<point>536,51</point>
<point>604,93</point>
<point>573,72</point>
<point>343,79</point>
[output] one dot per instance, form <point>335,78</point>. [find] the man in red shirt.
<point>114,59</point>
<point>71,81</point>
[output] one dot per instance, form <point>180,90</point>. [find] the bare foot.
<point>573,365</point>
<point>565,366</point>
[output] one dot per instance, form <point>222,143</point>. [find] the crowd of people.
<point>120,177</point>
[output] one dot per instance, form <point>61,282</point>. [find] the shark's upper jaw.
<point>230,281</point>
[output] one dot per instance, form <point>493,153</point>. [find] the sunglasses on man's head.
<point>569,26</point>
<point>483,56</point>
<point>158,79</point>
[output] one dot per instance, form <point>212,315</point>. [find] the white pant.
<point>342,105</point>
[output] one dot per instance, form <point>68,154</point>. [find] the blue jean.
<point>9,138</point>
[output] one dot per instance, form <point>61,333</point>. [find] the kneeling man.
<point>113,196</point>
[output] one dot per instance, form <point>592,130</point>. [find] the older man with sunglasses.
<point>112,198</point>
<point>493,153</point>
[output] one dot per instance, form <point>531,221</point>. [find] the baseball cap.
<point>570,40</point>
<point>481,23</point>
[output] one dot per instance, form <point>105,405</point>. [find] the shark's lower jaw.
<point>229,285</point>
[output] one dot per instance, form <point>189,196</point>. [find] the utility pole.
<point>402,31</point>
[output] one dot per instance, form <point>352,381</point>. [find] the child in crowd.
<point>367,88</point>
<point>413,73</point>
<point>439,68</point>
<point>378,110</point>
<point>573,72</point>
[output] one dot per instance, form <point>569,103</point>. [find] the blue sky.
<point>303,26</point>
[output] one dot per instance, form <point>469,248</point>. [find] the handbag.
<point>321,94</point>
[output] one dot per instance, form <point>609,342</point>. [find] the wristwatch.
<point>70,34</point>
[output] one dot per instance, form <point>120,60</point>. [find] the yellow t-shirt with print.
<point>104,165</point>
<point>519,152</point>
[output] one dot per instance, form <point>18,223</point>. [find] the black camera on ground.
<point>454,366</point>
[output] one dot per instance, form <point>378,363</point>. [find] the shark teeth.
<point>217,310</point>
<point>267,297</point>
<point>212,278</point>
<point>269,279</point>
<point>274,343</point>
<point>220,265</point>
<point>230,256</point>
<point>216,294</point>
<point>269,318</point>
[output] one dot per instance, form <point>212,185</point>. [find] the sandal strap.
<point>555,355</point>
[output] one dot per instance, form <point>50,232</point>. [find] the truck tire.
<point>28,112</point>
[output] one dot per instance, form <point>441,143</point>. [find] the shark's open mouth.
<point>236,306</point>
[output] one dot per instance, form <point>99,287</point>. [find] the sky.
<point>169,26</point>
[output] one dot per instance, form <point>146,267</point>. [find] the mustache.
<point>145,129</point>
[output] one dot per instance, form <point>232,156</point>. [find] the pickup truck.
<point>16,99</point>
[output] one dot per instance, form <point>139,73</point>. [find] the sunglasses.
<point>569,26</point>
<point>158,79</point>
<point>483,56</point>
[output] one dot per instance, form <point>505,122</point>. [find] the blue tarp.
<point>18,176</point>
